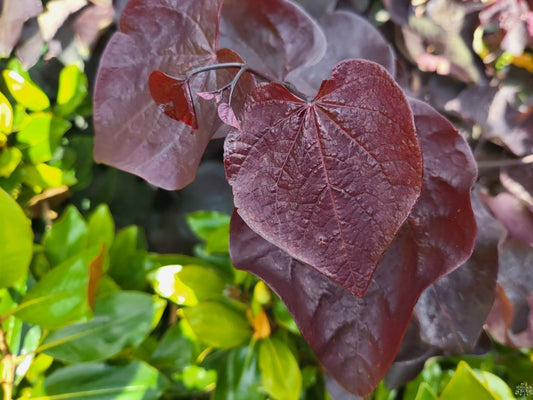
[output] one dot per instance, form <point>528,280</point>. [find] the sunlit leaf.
<point>6,115</point>
<point>72,90</point>
<point>25,91</point>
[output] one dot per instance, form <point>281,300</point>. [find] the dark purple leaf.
<point>399,10</point>
<point>14,14</point>
<point>288,170</point>
<point>518,180</point>
<point>92,22</point>
<point>317,8</point>
<point>356,338</point>
<point>514,214</point>
<point>273,37</point>
<point>131,132</point>
<point>349,36</point>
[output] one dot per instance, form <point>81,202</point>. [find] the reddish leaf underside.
<point>356,338</point>
<point>331,181</point>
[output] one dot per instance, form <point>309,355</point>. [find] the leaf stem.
<point>8,367</point>
<point>506,163</point>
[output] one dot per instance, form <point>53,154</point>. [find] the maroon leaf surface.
<point>511,319</point>
<point>330,181</point>
<point>356,338</point>
<point>317,8</point>
<point>273,37</point>
<point>132,133</point>
<point>13,15</point>
<point>348,36</point>
<point>452,311</point>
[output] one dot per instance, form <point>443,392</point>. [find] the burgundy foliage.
<point>13,15</point>
<point>288,170</point>
<point>352,202</point>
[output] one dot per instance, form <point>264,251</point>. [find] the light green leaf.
<point>204,223</point>
<point>196,377</point>
<point>135,380</point>
<point>425,392</point>
<point>72,90</point>
<point>16,241</point>
<point>10,158</point>
<point>63,295</point>
<point>121,320</point>
<point>465,385</point>
<point>218,240</point>
<point>25,91</point>
<point>67,237</point>
<point>6,115</point>
<point>217,325</point>
<point>497,386</point>
<point>101,227</point>
<point>43,176</point>
<point>282,378</point>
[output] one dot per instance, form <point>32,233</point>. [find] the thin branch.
<point>8,367</point>
<point>506,162</point>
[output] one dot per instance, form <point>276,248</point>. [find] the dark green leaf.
<point>175,351</point>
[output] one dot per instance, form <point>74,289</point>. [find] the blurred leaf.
<point>10,158</point>
<point>239,377</point>
<point>16,241</point>
<point>101,227</point>
<point>72,90</point>
<point>196,377</point>
<point>496,385</point>
<point>12,17</point>
<point>218,240</point>
<point>120,320</point>
<point>67,237</point>
<point>135,380</point>
<point>6,115</point>
<point>205,223</point>
<point>25,91</point>
<point>43,176</point>
<point>174,351</point>
<point>166,283</point>
<point>30,341</point>
<point>466,385</point>
<point>425,392</point>
<point>205,283</point>
<point>217,325</point>
<point>41,136</point>
<point>62,295</point>
<point>282,378</point>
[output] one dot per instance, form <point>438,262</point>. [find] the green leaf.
<point>6,115</point>
<point>466,385</point>
<point>174,351</point>
<point>499,389</point>
<point>41,136</point>
<point>72,90</point>
<point>101,227</point>
<point>425,392</point>
<point>121,320</point>
<point>10,158</point>
<point>239,377</point>
<point>25,92</point>
<point>204,223</point>
<point>218,240</point>
<point>283,317</point>
<point>16,241</point>
<point>282,378</point>
<point>30,342</point>
<point>67,237</point>
<point>196,377</point>
<point>135,380</point>
<point>63,295</point>
<point>43,176</point>
<point>217,325</point>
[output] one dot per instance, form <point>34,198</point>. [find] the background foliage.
<point>112,289</point>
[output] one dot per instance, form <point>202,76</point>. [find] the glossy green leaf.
<point>217,325</point>
<point>282,378</point>
<point>30,341</point>
<point>497,386</point>
<point>101,227</point>
<point>425,392</point>
<point>16,241</point>
<point>6,115</point>
<point>135,380</point>
<point>167,284</point>
<point>239,377</point>
<point>121,320</point>
<point>196,377</point>
<point>204,223</point>
<point>10,158</point>
<point>67,237</point>
<point>25,91</point>
<point>63,295</point>
<point>466,385</point>
<point>72,90</point>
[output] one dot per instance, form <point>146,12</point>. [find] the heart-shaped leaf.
<point>288,170</point>
<point>357,338</point>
